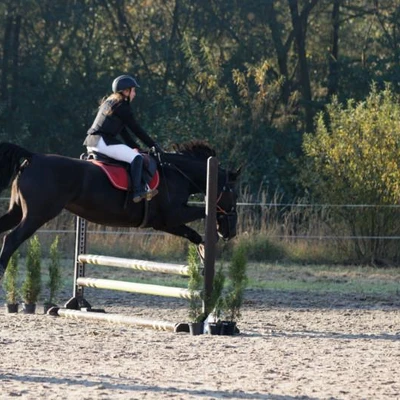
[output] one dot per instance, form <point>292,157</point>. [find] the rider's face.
<point>132,94</point>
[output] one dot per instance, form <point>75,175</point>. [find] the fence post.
<point>210,230</point>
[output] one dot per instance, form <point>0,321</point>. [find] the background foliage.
<point>32,284</point>
<point>248,76</point>
<point>353,159</point>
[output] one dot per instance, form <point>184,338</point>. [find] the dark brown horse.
<point>44,184</point>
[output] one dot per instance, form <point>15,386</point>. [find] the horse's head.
<point>227,197</point>
<point>226,207</point>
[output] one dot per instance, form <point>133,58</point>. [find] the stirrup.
<point>138,197</point>
<point>150,194</point>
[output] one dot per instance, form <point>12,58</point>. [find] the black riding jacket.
<point>112,119</point>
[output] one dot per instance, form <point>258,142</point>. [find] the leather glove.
<point>158,149</point>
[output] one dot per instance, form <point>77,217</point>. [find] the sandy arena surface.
<point>291,346</point>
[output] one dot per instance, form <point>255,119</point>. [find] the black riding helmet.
<point>124,82</point>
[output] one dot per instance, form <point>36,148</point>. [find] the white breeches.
<point>120,152</point>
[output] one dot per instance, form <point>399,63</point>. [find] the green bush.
<point>195,283</point>
<point>215,302</point>
<point>237,274</point>
<point>260,247</point>
<point>353,159</point>
<point>10,283</point>
<point>32,284</point>
<point>54,282</point>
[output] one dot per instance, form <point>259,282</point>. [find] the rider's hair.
<point>119,97</point>
<point>116,96</point>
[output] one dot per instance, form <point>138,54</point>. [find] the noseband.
<point>220,209</point>
<point>226,214</point>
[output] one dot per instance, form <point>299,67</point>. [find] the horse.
<point>42,185</point>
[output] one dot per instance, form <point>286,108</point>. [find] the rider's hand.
<point>158,149</point>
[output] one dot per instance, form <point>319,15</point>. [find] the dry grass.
<point>271,231</point>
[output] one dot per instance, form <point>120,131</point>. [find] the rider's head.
<point>126,85</point>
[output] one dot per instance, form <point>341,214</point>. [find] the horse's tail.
<point>11,158</point>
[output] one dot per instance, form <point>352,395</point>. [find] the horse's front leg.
<point>185,232</point>
<point>174,223</point>
<point>183,215</point>
<point>190,234</point>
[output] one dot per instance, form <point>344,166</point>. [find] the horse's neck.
<point>195,171</point>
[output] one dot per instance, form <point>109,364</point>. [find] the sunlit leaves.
<point>354,154</point>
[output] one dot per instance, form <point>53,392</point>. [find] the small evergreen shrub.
<point>10,283</point>
<point>237,274</point>
<point>32,284</point>
<point>195,283</point>
<point>216,301</point>
<point>54,282</point>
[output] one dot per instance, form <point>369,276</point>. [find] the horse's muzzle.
<point>227,225</point>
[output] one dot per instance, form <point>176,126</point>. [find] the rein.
<point>219,208</point>
<point>224,189</point>
<point>188,178</point>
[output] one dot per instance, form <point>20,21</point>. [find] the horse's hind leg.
<point>11,218</point>
<point>14,214</point>
<point>16,237</point>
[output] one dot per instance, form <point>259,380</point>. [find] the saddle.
<point>117,171</point>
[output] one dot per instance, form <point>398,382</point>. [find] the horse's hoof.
<point>201,251</point>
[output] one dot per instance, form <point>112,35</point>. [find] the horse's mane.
<point>195,148</point>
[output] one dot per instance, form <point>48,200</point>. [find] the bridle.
<point>225,190</point>
<point>227,215</point>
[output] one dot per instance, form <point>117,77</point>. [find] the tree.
<point>333,73</point>
<point>247,76</point>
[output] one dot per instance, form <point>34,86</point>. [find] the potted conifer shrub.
<point>215,303</point>
<point>233,299</point>
<point>195,284</point>
<point>10,284</point>
<point>54,281</point>
<point>32,283</point>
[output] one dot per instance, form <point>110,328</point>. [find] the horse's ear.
<point>238,171</point>
<point>233,175</point>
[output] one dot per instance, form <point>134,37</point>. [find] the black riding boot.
<point>139,189</point>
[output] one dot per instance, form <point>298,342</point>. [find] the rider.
<point>113,118</point>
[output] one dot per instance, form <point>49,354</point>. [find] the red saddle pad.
<point>118,175</point>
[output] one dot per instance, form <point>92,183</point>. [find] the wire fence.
<point>356,231</point>
<point>254,217</point>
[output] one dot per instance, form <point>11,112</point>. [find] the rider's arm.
<point>125,113</point>
<point>128,139</point>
